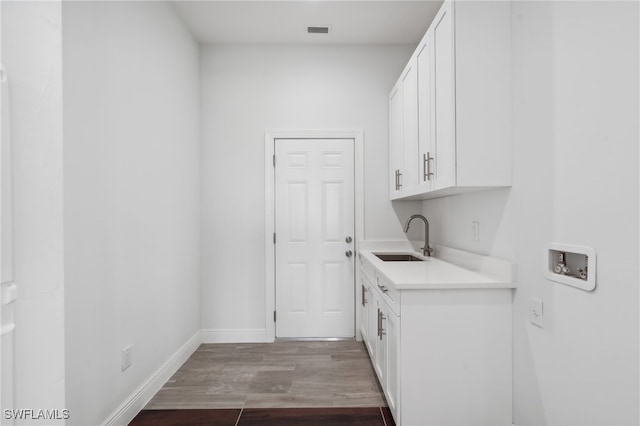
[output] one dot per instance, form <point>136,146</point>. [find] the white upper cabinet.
<point>395,142</point>
<point>444,142</point>
<point>410,126</point>
<point>403,132</point>
<point>426,126</point>
<point>454,133</point>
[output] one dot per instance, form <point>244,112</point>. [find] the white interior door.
<point>314,223</point>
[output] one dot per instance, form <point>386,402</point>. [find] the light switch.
<point>536,316</point>
<point>475,231</point>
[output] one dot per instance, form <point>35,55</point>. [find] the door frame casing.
<point>270,137</point>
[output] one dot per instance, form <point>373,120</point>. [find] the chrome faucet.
<point>426,250</point>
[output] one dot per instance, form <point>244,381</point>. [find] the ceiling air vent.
<point>318,30</point>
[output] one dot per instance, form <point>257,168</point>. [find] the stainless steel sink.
<point>387,257</point>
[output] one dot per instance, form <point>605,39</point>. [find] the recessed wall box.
<point>571,265</point>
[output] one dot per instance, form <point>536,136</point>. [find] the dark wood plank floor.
<point>219,417</point>
<point>330,416</point>
<point>356,416</point>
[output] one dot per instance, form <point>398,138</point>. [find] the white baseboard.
<point>141,396</point>
<point>236,336</point>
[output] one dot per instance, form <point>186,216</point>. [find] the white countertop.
<point>436,273</point>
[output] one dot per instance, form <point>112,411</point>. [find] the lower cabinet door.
<point>392,389</point>
<point>380,330</point>
<point>381,344</point>
<point>372,324</point>
<point>364,317</point>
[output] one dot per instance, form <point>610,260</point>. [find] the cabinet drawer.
<point>389,293</point>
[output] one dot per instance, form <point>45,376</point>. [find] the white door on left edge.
<point>315,290</point>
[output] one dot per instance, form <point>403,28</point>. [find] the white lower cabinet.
<point>382,341</point>
<point>368,314</point>
<point>391,340</point>
<point>380,357</point>
<point>364,300</point>
<point>443,357</point>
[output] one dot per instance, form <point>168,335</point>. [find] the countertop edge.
<point>484,281</point>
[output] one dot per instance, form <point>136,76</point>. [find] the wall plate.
<point>536,312</point>
<point>579,262</point>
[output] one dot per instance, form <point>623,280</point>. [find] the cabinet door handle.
<point>364,296</point>
<point>380,319</point>
<point>426,166</point>
<point>399,180</point>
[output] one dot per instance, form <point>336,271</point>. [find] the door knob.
<point>348,253</point>
<point>348,239</point>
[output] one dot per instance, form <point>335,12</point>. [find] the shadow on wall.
<point>404,209</point>
<point>453,219</point>
<point>529,404</point>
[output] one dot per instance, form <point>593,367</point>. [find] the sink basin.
<point>398,257</point>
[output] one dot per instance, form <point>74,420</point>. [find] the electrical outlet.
<point>536,316</point>
<point>475,231</point>
<point>126,357</point>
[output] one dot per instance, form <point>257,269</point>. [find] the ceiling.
<point>285,22</point>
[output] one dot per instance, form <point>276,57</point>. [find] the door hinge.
<point>274,238</point>
<point>274,316</point>
<point>274,160</point>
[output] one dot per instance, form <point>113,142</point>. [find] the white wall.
<point>575,100</point>
<point>132,210</point>
<point>248,89</point>
<point>31,52</point>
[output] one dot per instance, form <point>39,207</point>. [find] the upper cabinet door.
<point>444,143</point>
<point>395,142</point>
<point>410,128</point>
<point>426,128</point>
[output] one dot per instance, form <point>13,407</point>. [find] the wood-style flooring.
<point>273,375</point>
<point>282,383</point>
